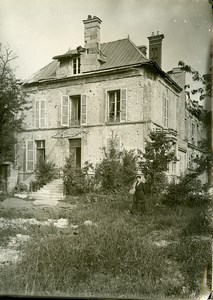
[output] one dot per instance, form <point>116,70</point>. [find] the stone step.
<point>48,198</point>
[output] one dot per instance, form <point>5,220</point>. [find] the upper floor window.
<point>40,113</point>
<point>117,105</point>
<point>166,112</point>
<point>73,110</point>
<point>76,65</point>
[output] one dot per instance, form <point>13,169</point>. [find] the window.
<point>76,65</point>
<point>40,151</point>
<point>40,113</point>
<point>166,112</point>
<point>117,106</point>
<point>193,133</point>
<point>73,110</point>
<point>75,151</point>
<point>186,129</point>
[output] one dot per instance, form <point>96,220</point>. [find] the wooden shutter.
<point>83,109</point>
<point>65,110</point>
<point>123,105</point>
<point>29,156</point>
<point>42,112</point>
<point>37,113</point>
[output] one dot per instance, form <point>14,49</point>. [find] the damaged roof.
<point>118,53</point>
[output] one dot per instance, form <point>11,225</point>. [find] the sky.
<point>37,30</point>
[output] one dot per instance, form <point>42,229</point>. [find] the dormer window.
<point>76,65</point>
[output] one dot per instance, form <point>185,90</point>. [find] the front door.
<point>75,151</point>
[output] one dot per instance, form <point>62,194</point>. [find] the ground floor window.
<point>40,151</point>
<point>75,151</point>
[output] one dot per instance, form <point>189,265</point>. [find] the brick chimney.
<point>92,57</point>
<point>155,47</point>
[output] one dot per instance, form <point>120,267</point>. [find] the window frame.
<point>76,65</point>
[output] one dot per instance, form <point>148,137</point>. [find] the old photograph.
<point>105,148</point>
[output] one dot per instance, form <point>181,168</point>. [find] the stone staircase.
<point>50,194</point>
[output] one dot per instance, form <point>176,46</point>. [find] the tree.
<point>204,90</point>
<point>12,104</point>
<point>204,163</point>
<point>117,169</point>
<point>155,161</point>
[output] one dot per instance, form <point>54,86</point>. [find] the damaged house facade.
<point>90,94</point>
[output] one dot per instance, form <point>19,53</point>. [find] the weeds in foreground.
<point>122,256</point>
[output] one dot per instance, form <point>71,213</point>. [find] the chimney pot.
<point>157,32</point>
<point>153,33</point>
<point>89,17</point>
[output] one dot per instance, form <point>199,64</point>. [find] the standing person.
<point>138,205</point>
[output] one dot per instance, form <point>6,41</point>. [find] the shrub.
<point>45,172</point>
<point>155,160</point>
<point>188,191</point>
<point>77,180</point>
<point>117,170</point>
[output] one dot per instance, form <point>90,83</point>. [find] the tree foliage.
<point>117,169</point>
<point>205,80</point>
<point>12,103</point>
<point>155,160</point>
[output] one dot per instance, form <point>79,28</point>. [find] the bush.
<point>117,170</point>
<point>44,173</point>
<point>189,191</point>
<point>77,180</point>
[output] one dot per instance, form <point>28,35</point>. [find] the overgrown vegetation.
<point>77,180</point>
<point>13,102</point>
<point>119,255</point>
<point>45,171</point>
<point>154,162</point>
<point>117,169</point>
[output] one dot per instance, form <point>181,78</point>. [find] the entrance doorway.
<point>75,151</point>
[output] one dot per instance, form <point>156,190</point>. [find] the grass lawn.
<point>163,253</point>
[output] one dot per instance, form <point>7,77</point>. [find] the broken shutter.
<point>83,109</point>
<point>123,105</point>
<point>65,110</point>
<point>29,156</point>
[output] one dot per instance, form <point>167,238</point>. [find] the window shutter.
<point>29,156</point>
<point>42,113</point>
<point>37,123</point>
<point>83,109</point>
<point>65,110</point>
<point>123,105</point>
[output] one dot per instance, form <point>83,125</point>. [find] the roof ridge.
<point>133,44</point>
<point>114,41</point>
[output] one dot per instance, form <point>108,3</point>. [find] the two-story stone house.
<point>88,94</point>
